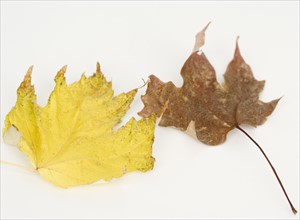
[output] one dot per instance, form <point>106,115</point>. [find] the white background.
<point>132,40</point>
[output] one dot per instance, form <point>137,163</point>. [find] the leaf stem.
<point>274,171</point>
<point>17,165</point>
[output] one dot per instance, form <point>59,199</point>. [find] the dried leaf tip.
<point>132,93</point>
<point>98,69</point>
<point>27,79</point>
<point>61,73</point>
<point>29,72</point>
<point>237,52</point>
<point>200,38</point>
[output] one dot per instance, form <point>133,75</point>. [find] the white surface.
<point>133,40</point>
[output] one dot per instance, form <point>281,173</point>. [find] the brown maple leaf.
<point>204,108</point>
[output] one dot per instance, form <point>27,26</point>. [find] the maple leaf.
<point>71,140</point>
<point>205,109</point>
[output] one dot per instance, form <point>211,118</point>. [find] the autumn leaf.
<point>71,140</point>
<point>204,108</point>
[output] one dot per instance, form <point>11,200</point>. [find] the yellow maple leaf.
<point>71,140</point>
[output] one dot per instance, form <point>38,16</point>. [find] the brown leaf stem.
<point>274,171</point>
